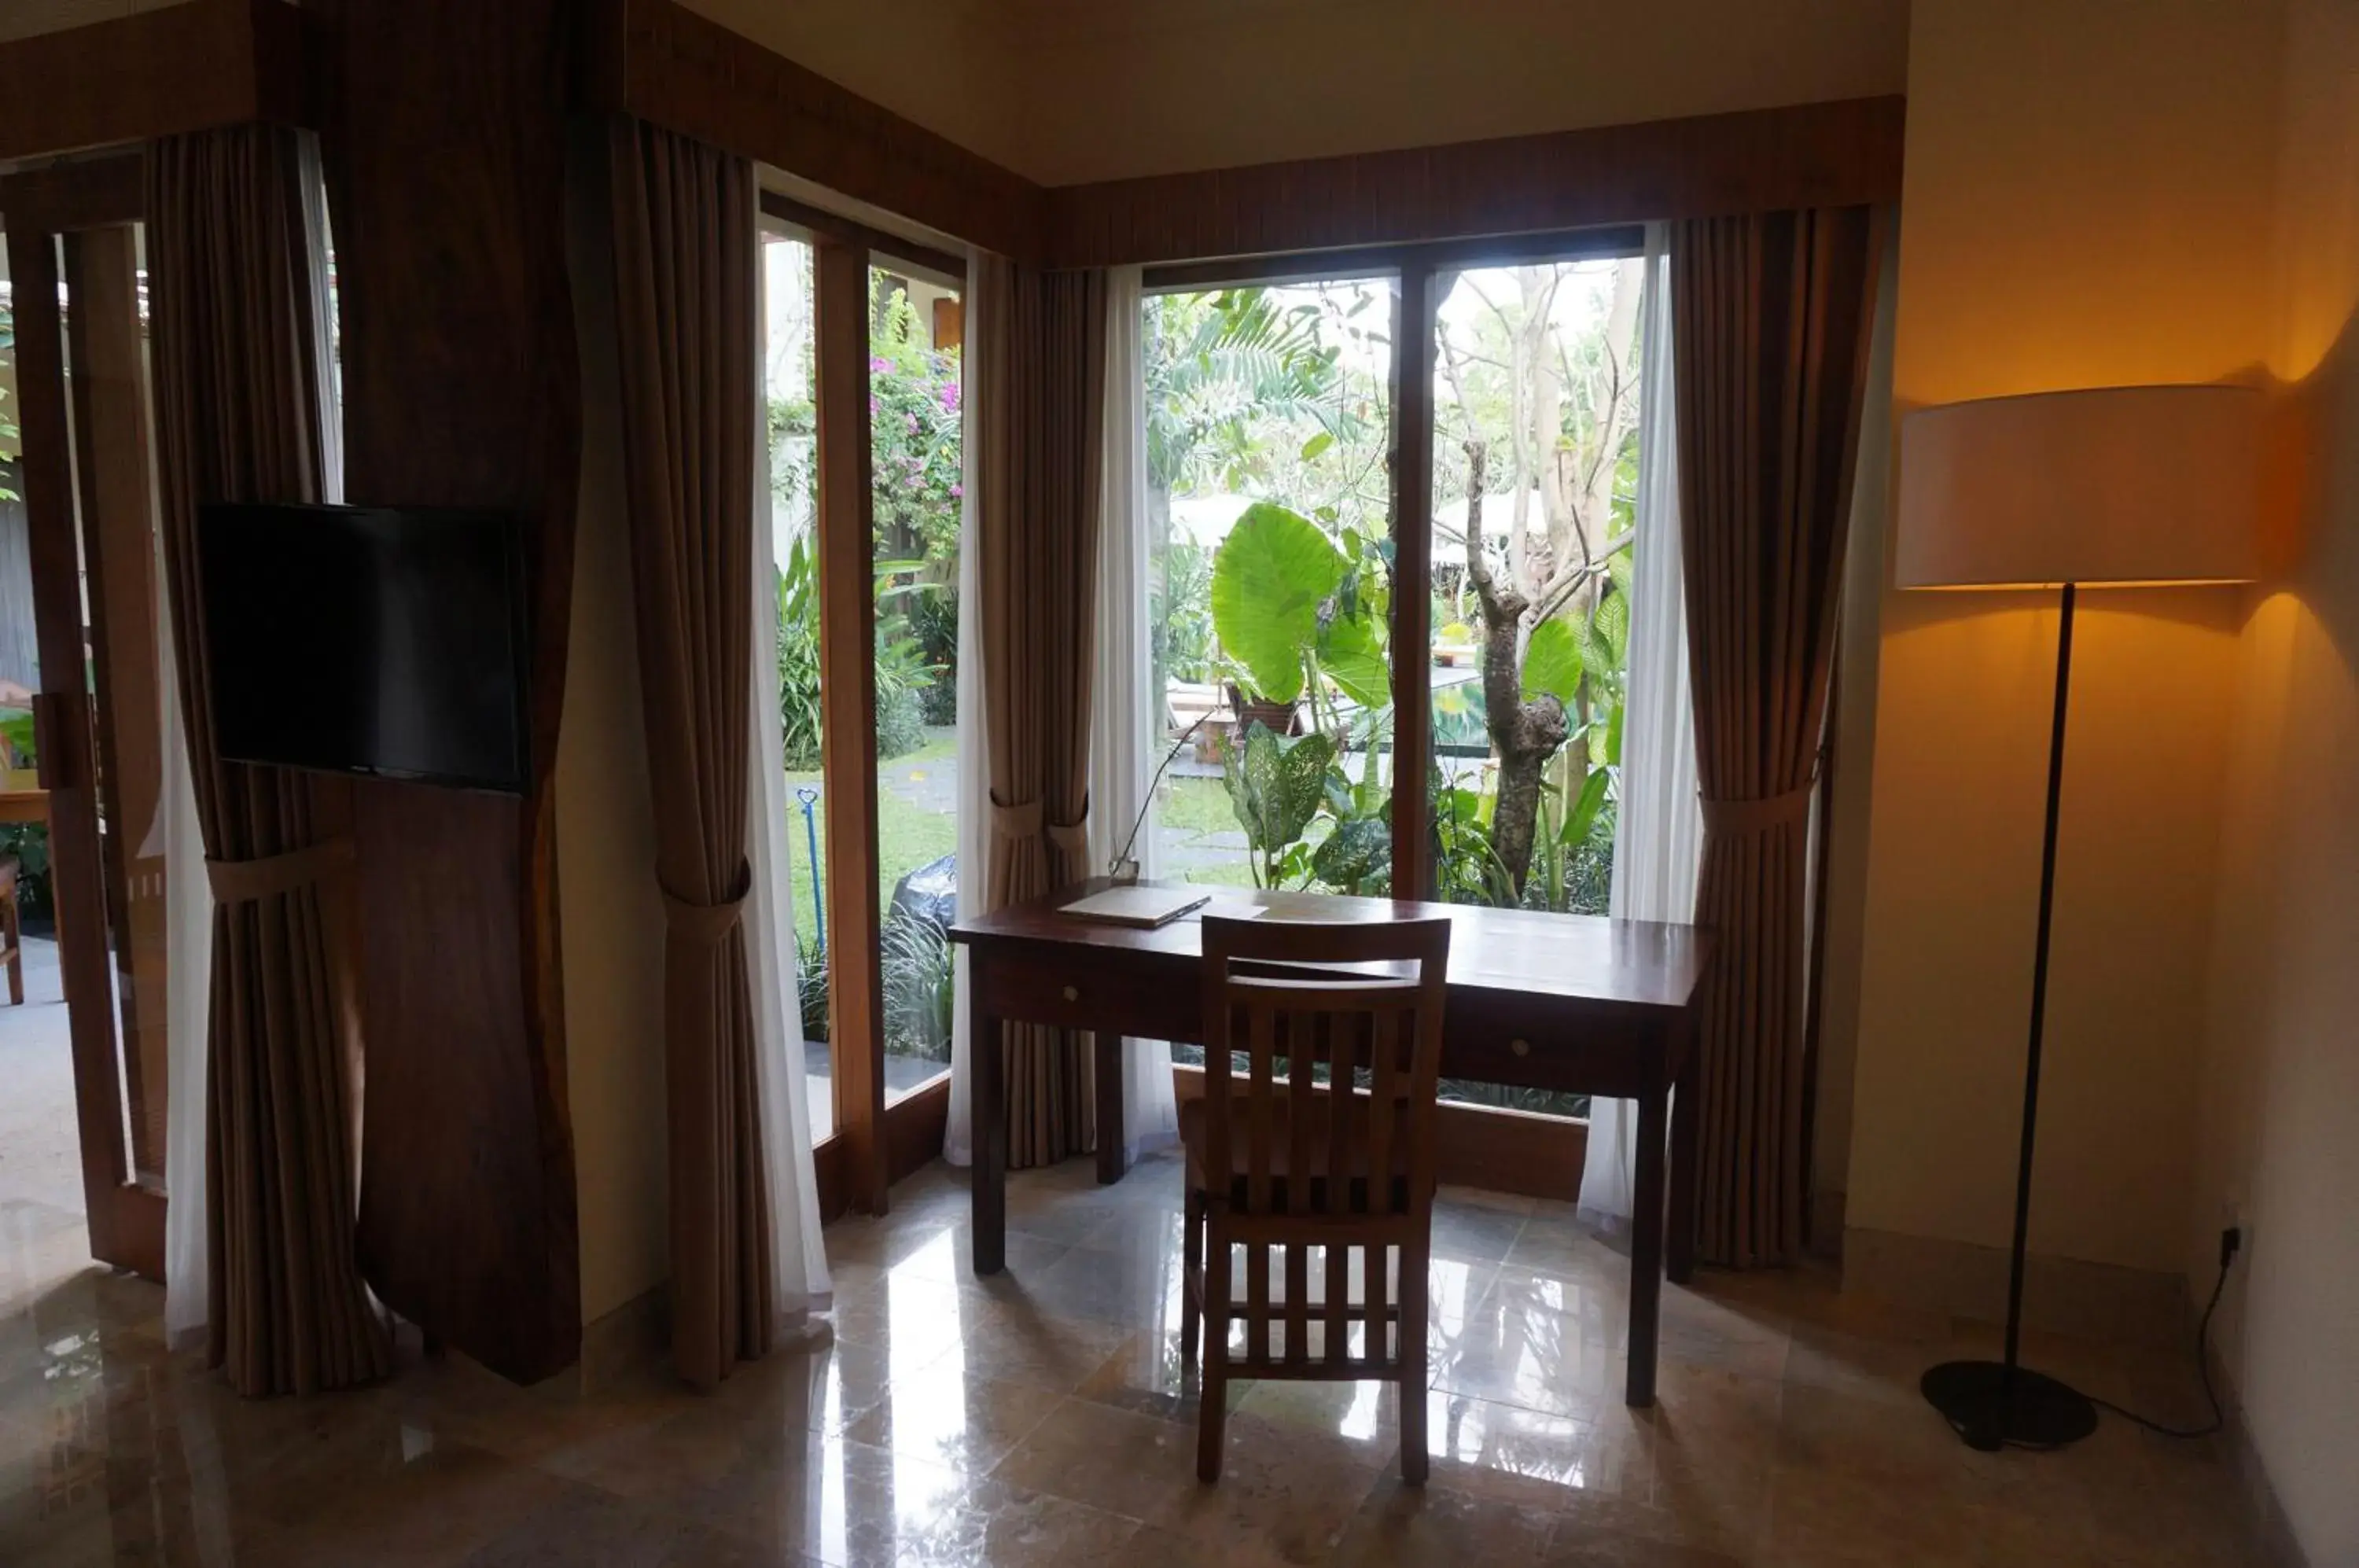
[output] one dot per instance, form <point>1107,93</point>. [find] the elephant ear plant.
<point>1276,786</point>
<point>1273,575</point>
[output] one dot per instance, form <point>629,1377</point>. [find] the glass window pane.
<point>1269,537</point>
<point>1270,576</point>
<point>790,391</point>
<point>1535,475</point>
<point>915,451</point>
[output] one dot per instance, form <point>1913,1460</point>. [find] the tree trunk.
<point>1524,735</point>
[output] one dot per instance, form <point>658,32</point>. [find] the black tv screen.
<point>360,639</point>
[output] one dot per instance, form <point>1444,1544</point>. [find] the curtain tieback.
<point>1073,838</point>
<point>1757,816</point>
<point>707,925</point>
<point>1020,822</point>
<point>267,875</point>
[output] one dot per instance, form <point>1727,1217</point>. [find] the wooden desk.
<point>1563,1002</point>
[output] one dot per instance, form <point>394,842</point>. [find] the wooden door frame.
<point>90,207</point>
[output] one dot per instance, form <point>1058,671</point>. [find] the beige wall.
<point>2086,201</point>
<point>1071,90</point>
<point>609,908</point>
<point>2279,1091</point>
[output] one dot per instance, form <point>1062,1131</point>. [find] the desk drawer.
<point>1116,993</point>
<point>1528,1042</point>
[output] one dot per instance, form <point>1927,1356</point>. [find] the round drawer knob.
<point>1520,1047</point>
<point>1072,994</point>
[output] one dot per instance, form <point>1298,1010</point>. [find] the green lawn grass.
<point>1198,805</point>
<point>907,835</point>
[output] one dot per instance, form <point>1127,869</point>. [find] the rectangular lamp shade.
<point>2115,484</point>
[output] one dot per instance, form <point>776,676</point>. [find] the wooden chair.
<point>12,939</point>
<point>1282,1167</point>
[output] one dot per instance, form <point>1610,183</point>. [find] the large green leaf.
<point>1352,657</point>
<point>1596,652</point>
<point>1614,627</point>
<point>1552,661</point>
<point>1276,785</point>
<point>1269,581</point>
<point>1585,807</point>
<point>1357,857</point>
<point>1621,569</point>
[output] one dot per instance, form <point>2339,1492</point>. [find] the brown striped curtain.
<point>1770,330</point>
<point>687,323</point>
<point>240,416</point>
<point>1036,364</point>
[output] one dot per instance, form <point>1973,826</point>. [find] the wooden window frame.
<point>1419,273</point>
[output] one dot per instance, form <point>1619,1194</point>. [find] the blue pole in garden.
<point>809,796</point>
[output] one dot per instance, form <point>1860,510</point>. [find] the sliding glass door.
<point>916,451</point>
<point>862,384</point>
<point>789,392</point>
<point>86,791</point>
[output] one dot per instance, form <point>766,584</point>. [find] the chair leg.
<point>1191,1311</point>
<point>1415,1283</point>
<point>1213,1394</point>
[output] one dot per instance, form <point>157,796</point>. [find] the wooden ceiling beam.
<point>667,65</point>
<point>178,68</point>
<point>1811,155</point>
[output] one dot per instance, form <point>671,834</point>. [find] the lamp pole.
<point>1993,1406</point>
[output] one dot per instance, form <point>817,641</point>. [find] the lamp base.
<point>2040,1412</point>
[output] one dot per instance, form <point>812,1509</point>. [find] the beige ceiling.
<point>1065,90</point>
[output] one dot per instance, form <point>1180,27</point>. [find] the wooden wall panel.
<point>445,156</point>
<point>664,63</point>
<point>180,68</point>
<point>1812,154</point>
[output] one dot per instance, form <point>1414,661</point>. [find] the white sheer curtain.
<point>974,775</point>
<point>798,1256</point>
<point>1659,829</point>
<point>1124,713</point>
<point>188,973</point>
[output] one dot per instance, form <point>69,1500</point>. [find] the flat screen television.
<point>365,639</point>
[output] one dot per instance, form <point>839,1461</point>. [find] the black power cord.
<point>2230,1241</point>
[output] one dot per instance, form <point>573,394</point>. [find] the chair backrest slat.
<point>1350,997</point>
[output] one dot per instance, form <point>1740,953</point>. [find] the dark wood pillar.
<point>445,159</point>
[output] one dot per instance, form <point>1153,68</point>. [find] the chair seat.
<point>1356,1132</point>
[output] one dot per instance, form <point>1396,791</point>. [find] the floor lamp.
<point>2116,486</point>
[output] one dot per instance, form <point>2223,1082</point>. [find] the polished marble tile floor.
<point>1041,1418</point>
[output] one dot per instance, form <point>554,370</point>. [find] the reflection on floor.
<point>1041,1418</point>
<point>40,1158</point>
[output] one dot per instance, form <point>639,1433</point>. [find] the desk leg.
<point>1647,1250</point>
<point>1685,1104</point>
<point>988,1104</point>
<point>1112,1151</point>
